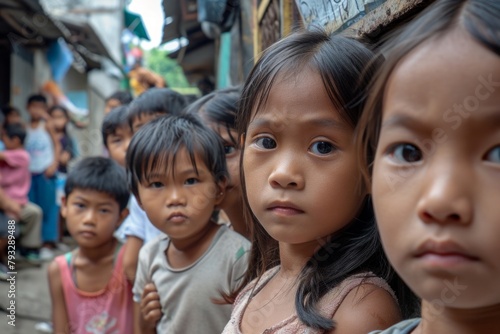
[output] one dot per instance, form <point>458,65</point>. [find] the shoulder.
<point>152,247</point>
<point>367,306</point>
<point>403,327</point>
<point>54,272</point>
<point>233,241</point>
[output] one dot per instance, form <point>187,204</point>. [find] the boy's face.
<point>117,144</point>
<point>111,104</point>
<point>13,118</point>
<point>181,206</point>
<point>37,110</point>
<point>139,121</point>
<point>11,143</point>
<point>436,176</point>
<point>91,216</point>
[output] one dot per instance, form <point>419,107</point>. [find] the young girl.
<point>432,128</point>
<point>316,264</point>
<point>179,179</point>
<point>60,119</point>
<point>219,110</point>
<point>89,290</point>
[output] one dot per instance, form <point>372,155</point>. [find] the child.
<point>15,179</point>
<point>317,265</point>
<point>60,119</point>
<point>179,180</point>
<point>137,229</point>
<point>432,129</point>
<point>119,98</point>
<point>219,110</point>
<point>43,147</point>
<point>89,291</point>
<point>116,134</point>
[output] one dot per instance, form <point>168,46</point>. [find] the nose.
<point>287,172</point>
<point>89,218</point>
<point>446,199</point>
<point>175,197</point>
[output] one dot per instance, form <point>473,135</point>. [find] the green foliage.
<point>158,61</point>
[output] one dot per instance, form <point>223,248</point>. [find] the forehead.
<point>92,196</point>
<point>443,76</point>
<point>172,162</point>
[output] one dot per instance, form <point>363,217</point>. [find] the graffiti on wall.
<point>335,14</point>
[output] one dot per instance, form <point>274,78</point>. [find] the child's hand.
<point>51,171</point>
<point>150,305</point>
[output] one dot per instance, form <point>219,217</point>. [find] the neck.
<point>34,122</point>
<point>95,254</point>
<point>182,253</point>
<point>458,321</point>
<point>293,257</point>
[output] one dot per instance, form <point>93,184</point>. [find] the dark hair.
<point>15,130</point>
<point>220,107</point>
<point>156,101</point>
<point>156,144</point>
<point>102,175</point>
<point>61,108</point>
<point>123,96</point>
<point>7,110</point>
<point>342,64</point>
<point>117,118</point>
<point>36,98</point>
<point>480,18</point>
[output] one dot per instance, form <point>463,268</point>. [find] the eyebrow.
<point>319,122</point>
<point>404,121</point>
<point>80,198</point>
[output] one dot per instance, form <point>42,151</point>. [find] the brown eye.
<point>406,153</point>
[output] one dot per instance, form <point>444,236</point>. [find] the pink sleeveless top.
<point>108,311</point>
<point>327,306</point>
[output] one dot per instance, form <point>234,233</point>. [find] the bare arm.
<point>2,156</point>
<point>131,256</point>
<point>59,315</point>
<point>57,149</point>
<point>365,309</point>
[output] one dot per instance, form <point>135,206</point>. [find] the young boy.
<point>89,291</point>
<point>15,179</point>
<point>116,134</point>
<point>137,229</point>
<point>43,148</point>
<point>179,179</point>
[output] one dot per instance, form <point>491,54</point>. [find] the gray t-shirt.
<point>186,294</point>
<point>403,327</point>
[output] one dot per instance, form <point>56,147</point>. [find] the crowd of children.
<point>340,190</point>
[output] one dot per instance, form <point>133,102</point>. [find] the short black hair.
<point>156,144</point>
<point>117,118</point>
<point>102,175</point>
<point>7,110</point>
<point>156,101</point>
<point>15,130</point>
<point>36,98</point>
<point>123,96</point>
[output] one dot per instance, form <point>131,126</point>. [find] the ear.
<point>122,217</point>
<point>64,207</point>
<point>221,191</point>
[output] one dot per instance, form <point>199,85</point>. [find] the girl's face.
<point>233,190</point>
<point>59,119</point>
<point>436,176</point>
<point>300,163</point>
<point>180,203</point>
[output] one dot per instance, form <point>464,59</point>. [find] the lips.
<point>284,208</point>
<point>87,234</point>
<point>443,252</point>
<point>177,217</point>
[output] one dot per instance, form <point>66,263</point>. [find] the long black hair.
<point>346,67</point>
